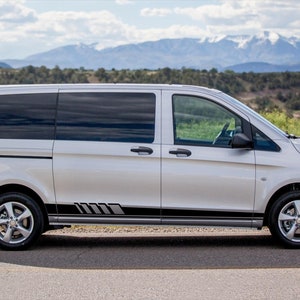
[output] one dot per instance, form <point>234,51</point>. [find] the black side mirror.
<point>241,141</point>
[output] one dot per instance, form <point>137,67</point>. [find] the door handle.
<point>181,152</point>
<point>142,150</point>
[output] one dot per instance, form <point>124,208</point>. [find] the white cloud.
<point>236,17</point>
<point>155,12</point>
<point>26,29</point>
<point>15,12</point>
<point>123,2</point>
<point>57,28</point>
<point>172,32</point>
<point>216,14</point>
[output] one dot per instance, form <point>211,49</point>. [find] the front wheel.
<point>284,219</point>
<point>21,221</point>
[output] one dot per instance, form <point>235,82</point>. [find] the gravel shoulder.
<point>114,230</point>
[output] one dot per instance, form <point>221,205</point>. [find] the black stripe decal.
<point>26,156</point>
<point>177,213</point>
<point>51,209</point>
<point>115,209</point>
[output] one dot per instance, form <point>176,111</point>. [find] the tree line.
<point>262,91</point>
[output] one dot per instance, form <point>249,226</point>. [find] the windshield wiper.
<point>292,136</point>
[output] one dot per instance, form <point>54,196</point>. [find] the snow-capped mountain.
<point>266,50</point>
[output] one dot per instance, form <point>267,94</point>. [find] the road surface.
<point>156,266</point>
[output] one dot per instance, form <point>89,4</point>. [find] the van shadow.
<point>155,252</point>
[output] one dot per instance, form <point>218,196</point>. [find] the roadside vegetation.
<point>275,95</point>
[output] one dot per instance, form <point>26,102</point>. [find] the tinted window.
<point>198,121</point>
<point>112,117</point>
<point>30,116</point>
<point>262,142</point>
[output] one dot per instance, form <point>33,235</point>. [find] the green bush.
<point>283,121</point>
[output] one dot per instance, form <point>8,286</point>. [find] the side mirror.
<point>241,141</point>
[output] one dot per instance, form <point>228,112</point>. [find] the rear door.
<point>107,156</point>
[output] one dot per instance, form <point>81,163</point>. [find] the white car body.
<point>157,182</point>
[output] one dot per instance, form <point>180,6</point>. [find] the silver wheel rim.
<point>289,221</point>
<point>16,222</point>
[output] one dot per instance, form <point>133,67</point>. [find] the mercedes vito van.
<point>141,154</point>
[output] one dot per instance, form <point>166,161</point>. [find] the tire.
<point>21,221</point>
<point>284,219</point>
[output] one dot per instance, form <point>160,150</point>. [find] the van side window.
<point>109,117</point>
<point>201,122</point>
<point>27,116</point>
<point>262,142</point>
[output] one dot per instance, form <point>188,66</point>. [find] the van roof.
<point>34,88</point>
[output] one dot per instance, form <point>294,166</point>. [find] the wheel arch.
<point>283,190</point>
<point>17,188</point>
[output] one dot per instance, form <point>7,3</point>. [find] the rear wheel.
<point>284,220</point>
<point>21,221</point>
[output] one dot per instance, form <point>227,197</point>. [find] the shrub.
<point>283,121</point>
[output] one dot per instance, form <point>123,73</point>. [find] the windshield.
<point>253,113</point>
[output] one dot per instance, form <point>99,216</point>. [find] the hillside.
<point>261,91</point>
<point>4,66</point>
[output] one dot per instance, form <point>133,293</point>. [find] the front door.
<point>204,180</point>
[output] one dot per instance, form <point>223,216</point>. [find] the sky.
<point>33,26</point>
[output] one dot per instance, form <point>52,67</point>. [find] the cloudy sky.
<point>32,26</point>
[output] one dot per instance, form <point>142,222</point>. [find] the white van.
<point>141,154</point>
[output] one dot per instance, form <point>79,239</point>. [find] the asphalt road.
<point>205,266</point>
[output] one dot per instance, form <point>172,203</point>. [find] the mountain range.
<point>4,65</point>
<point>264,52</point>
